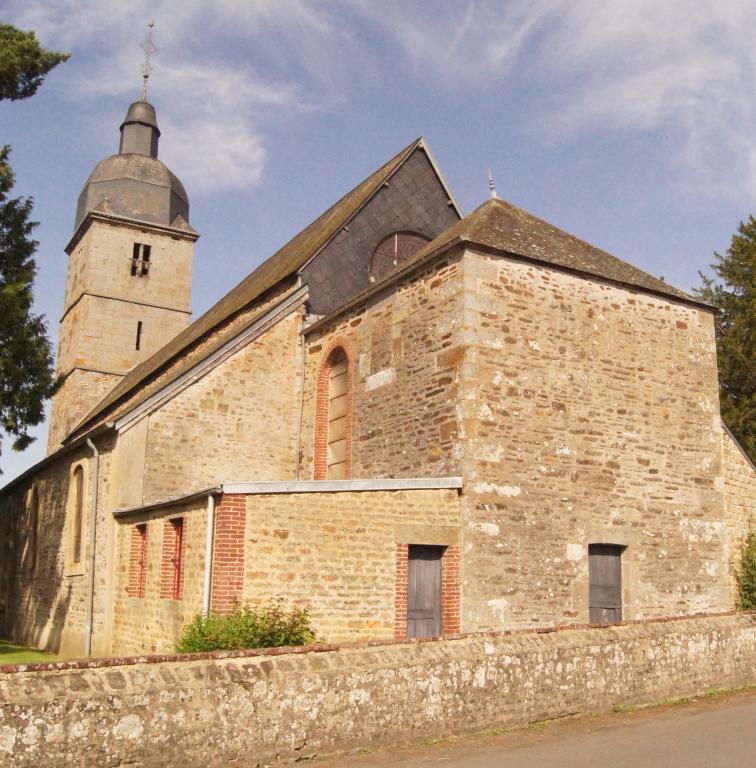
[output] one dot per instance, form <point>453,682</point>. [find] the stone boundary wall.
<point>254,708</point>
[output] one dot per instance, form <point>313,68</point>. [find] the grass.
<point>19,654</point>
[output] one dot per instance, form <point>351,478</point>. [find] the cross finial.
<point>491,186</point>
<point>149,48</point>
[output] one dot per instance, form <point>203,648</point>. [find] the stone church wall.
<point>237,423</point>
<point>333,552</point>
<point>404,349</point>
<point>740,499</point>
<point>152,623</point>
<point>337,552</point>
<point>591,415</point>
<point>266,707</point>
<point>46,606</point>
<point>79,393</point>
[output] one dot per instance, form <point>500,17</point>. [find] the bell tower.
<point>129,271</point>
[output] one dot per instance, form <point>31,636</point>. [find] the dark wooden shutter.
<point>605,583</point>
<point>424,591</point>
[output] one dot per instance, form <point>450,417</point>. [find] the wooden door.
<point>605,583</point>
<point>424,591</point>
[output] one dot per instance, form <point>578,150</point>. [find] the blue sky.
<point>629,123</point>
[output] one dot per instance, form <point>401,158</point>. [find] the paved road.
<point>714,732</point>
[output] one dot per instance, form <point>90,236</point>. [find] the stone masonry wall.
<point>590,415</point>
<point>332,552</point>
<point>47,607</point>
<point>740,499</point>
<point>238,422</point>
<point>98,334</point>
<point>336,552</point>
<point>152,623</point>
<point>404,352</point>
<point>80,392</point>
<point>299,705</point>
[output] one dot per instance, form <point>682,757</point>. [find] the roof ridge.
<point>632,275</point>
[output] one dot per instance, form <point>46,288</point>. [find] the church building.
<point>412,421</point>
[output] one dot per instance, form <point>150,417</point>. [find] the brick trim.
<point>228,552</point>
<point>450,624</point>
<point>401,589</point>
<point>320,456</point>
<point>450,590</point>
<point>138,560</point>
<point>172,562</point>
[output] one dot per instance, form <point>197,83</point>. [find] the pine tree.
<point>735,296</point>
<point>26,369</point>
<point>23,62</point>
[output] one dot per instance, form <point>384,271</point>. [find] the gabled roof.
<point>285,262</point>
<point>505,227</point>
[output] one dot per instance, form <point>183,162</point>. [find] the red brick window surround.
<point>138,561</point>
<point>172,570</point>
<point>333,416</point>
<point>450,623</point>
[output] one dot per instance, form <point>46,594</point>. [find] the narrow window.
<point>140,259</point>
<point>32,532</point>
<point>138,335</point>
<point>78,518</point>
<point>338,406</point>
<point>604,583</point>
<point>138,561</point>
<point>135,259</point>
<point>333,418</point>
<point>146,258</point>
<point>173,556</point>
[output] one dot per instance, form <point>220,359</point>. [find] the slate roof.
<point>505,227</point>
<point>286,261</point>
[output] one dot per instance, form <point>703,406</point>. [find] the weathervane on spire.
<point>491,186</point>
<point>149,48</point>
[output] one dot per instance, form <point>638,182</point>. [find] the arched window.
<point>78,514</point>
<point>392,250</point>
<point>333,419</point>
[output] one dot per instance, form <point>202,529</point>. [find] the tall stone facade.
<point>397,385</point>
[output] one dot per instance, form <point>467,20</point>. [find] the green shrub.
<point>266,626</point>
<point>745,574</point>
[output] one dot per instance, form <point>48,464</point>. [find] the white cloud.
<point>684,69</point>
<point>597,66</point>
<point>210,93</point>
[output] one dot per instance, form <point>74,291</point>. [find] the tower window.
<point>138,335</point>
<point>140,260</point>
